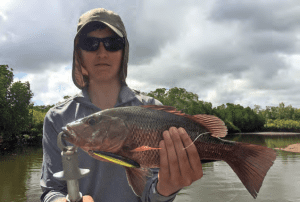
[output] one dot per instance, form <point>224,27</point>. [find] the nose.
<point>101,51</point>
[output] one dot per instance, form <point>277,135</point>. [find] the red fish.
<point>131,135</point>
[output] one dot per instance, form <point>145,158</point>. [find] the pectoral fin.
<point>137,178</point>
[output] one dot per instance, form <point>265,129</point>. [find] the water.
<point>220,183</point>
<point>20,175</point>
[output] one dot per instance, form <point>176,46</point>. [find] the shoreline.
<point>291,148</point>
<point>268,133</point>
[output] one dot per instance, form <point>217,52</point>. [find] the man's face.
<point>101,65</point>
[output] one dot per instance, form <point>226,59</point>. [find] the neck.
<point>105,94</point>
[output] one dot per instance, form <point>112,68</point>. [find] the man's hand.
<point>84,199</point>
<point>179,167</point>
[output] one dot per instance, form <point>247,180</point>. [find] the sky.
<point>242,52</point>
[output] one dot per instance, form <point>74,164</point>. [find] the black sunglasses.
<point>110,43</point>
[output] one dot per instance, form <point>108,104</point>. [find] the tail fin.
<point>251,164</point>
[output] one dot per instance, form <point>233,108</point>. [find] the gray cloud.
<point>35,41</point>
<point>266,42</point>
<point>153,29</point>
<point>259,15</point>
<point>225,51</point>
<point>40,34</point>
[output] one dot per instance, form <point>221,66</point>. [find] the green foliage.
<point>281,118</point>
<point>231,127</point>
<point>67,97</point>
<point>6,78</point>
<point>236,117</point>
<point>280,112</point>
<point>43,108</point>
<point>38,116</point>
<point>182,100</point>
<point>282,124</point>
<point>36,129</point>
<point>14,103</point>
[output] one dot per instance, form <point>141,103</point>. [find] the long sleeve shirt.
<point>106,182</point>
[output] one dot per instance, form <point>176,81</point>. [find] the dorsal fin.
<point>211,123</point>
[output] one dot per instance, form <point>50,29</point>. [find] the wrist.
<point>160,191</point>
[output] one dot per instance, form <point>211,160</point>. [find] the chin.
<point>106,79</point>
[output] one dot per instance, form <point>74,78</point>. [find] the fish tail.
<point>251,164</point>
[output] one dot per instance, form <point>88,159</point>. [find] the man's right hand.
<point>86,198</point>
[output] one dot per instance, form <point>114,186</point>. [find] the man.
<point>100,68</point>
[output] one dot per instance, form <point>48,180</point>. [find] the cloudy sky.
<point>243,52</point>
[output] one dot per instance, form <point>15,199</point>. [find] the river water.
<point>20,175</point>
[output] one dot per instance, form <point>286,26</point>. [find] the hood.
<point>113,21</point>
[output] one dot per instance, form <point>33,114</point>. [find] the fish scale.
<point>133,134</point>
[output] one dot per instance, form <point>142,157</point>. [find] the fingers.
<point>87,198</point>
<point>164,165</point>
<point>164,171</point>
<point>183,159</point>
<point>179,167</point>
<point>172,156</point>
<point>187,159</point>
<point>192,153</point>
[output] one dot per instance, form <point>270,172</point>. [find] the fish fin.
<point>211,123</point>
<point>251,164</point>
<point>143,148</point>
<point>137,179</point>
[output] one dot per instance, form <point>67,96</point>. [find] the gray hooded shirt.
<point>106,181</point>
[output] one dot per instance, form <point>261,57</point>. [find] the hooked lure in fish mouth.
<point>110,157</point>
<point>130,136</point>
<point>123,161</point>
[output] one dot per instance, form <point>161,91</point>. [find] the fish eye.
<point>91,121</point>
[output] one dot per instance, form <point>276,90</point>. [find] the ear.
<point>84,71</point>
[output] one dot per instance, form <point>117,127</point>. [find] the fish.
<point>130,136</point>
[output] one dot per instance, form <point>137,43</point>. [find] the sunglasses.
<point>110,43</point>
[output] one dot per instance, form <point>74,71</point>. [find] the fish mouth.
<point>114,158</point>
<point>66,132</point>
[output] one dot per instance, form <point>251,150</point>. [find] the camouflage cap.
<point>114,22</point>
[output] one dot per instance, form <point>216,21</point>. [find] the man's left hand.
<point>179,167</point>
